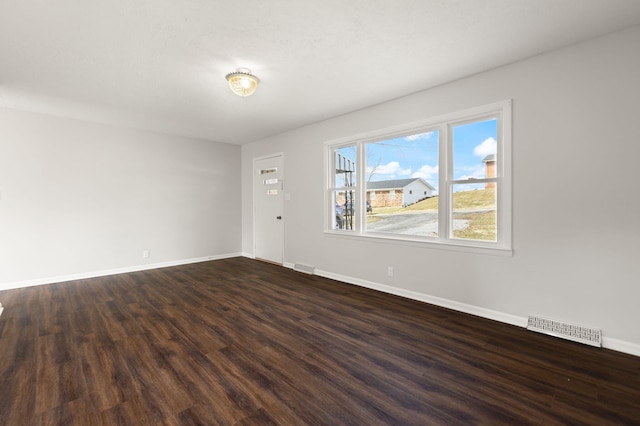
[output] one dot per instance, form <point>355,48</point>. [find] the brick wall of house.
<point>490,172</point>
<point>340,199</point>
<point>383,199</point>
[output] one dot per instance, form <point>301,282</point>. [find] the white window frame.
<point>501,111</point>
<point>330,162</point>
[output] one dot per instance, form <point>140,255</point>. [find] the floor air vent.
<point>307,269</point>
<point>589,336</point>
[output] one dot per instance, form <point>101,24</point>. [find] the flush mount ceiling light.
<point>242,82</point>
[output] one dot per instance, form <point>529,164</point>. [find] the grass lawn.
<point>482,224</point>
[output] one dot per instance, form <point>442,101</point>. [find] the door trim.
<point>253,201</point>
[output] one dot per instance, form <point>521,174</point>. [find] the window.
<point>454,172</point>
<point>343,187</point>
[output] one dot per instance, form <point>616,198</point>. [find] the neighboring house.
<point>490,169</point>
<point>399,192</point>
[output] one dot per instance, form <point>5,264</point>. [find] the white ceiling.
<point>160,64</point>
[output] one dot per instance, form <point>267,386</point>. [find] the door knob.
<point>279,217</point>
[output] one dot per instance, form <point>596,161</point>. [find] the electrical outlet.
<point>390,271</point>
<point>145,254</point>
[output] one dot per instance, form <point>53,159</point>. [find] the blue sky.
<point>417,155</point>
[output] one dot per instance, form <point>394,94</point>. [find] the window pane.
<point>474,211</point>
<point>344,217</point>
<point>403,174</point>
<point>345,167</point>
<point>474,150</point>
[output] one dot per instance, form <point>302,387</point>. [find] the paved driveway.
<point>423,223</point>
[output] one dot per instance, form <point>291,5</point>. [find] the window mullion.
<point>361,188</point>
<point>444,189</point>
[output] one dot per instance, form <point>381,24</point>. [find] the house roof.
<point>395,184</point>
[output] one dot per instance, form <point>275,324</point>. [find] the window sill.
<point>462,246</point>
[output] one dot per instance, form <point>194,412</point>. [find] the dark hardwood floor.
<point>239,341</point>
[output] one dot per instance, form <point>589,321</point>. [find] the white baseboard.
<point>103,273</point>
<point>608,343</point>
<point>438,301</point>
<point>621,346</point>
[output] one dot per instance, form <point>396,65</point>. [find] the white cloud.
<point>389,170</point>
<point>488,147</point>
<point>429,174</point>
<point>425,172</point>
<point>475,172</point>
<point>419,136</point>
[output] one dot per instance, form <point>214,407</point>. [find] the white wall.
<point>576,233</point>
<point>78,198</point>
<point>415,191</point>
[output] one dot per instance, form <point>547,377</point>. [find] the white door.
<point>268,193</point>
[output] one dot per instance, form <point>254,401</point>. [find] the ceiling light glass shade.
<point>242,82</point>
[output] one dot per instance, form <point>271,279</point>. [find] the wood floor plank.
<point>59,372</point>
<point>243,342</point>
